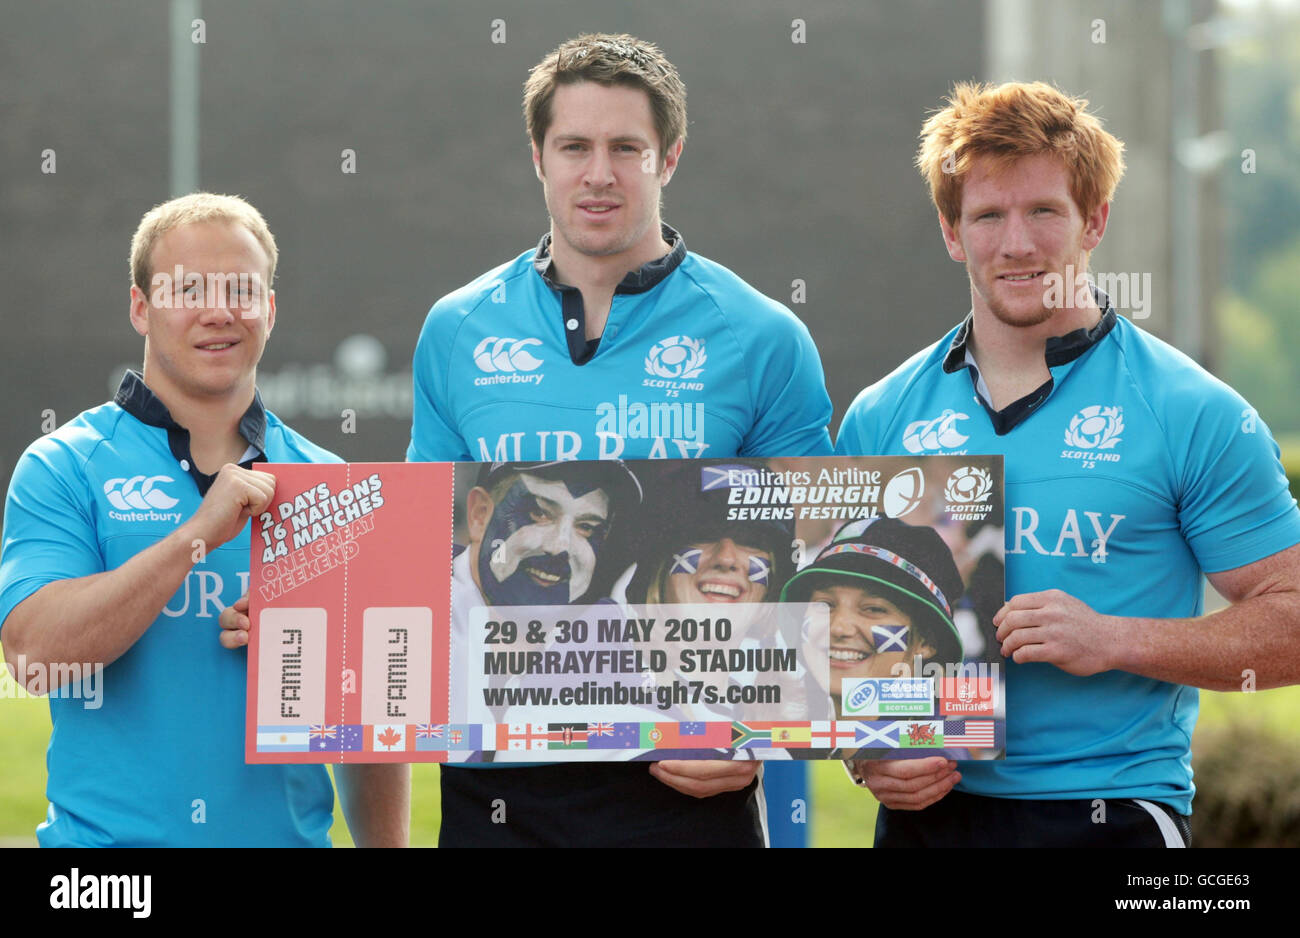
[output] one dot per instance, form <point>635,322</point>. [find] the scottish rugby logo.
<point>1093,432</point>
<point>677,357</point>
<point>967,493</point>
<point>968,484</point>
<point>1095,427</point>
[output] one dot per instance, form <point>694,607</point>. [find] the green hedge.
<point>1247,787</point>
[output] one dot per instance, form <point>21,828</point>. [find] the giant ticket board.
<point>727,608</point>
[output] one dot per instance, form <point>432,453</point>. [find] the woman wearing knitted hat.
<point>890,587</point>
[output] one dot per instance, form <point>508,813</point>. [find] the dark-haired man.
<point>610,340</point>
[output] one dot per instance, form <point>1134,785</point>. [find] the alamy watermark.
<point>1127,291</point>
<point>183,289</point>
<point>61,680</point>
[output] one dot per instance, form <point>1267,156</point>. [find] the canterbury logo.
<point>138,492</point>
<point>939,433</point>
<point>677,356</point>
<point>1095,427</point>
<point>496,354</point>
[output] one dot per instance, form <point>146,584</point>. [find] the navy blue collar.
<point>1059,350</point>
<point>136,398</point>
<point>573,315</point>
<point>640,280</point>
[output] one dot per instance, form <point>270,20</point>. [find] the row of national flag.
<point>517,737</point>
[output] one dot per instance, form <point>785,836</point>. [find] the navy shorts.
<point>963,820</point>
<point>601,804</point>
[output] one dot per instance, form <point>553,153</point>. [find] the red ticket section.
<point>349,642</point>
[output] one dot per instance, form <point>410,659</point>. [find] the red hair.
<point>1009,122</point>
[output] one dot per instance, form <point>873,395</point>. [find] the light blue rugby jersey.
<point>166,747</point>
<point>1135,471</point>
<point>693,362</point>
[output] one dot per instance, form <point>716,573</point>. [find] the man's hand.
<point>1055,627</point>
<point>704,778</point>
<point>908,784</point>
<point>236,495</point>
<point>234,624</point>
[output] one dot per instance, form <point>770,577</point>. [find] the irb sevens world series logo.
<point>887,696</point>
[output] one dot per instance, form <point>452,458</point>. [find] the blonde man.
<point>126,533</point>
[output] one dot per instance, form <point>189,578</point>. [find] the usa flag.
<point>972,734</point>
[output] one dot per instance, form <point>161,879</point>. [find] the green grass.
<point>841,814</point>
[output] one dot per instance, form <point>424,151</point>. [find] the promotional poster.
<point>569,611</point>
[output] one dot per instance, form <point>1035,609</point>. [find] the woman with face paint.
<point>889,588</point>
<point>691,553</point>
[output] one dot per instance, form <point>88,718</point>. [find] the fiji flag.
<point>464,737</point>
<point>430,737</point>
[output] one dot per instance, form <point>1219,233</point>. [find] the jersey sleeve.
<point>859,435</point>
<point>790,399</point>
<point>1235,505</point>
<point>49,527</point>
<point>434,437</point>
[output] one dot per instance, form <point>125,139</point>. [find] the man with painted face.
<point>536,529</point>
<point>536,533</point>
